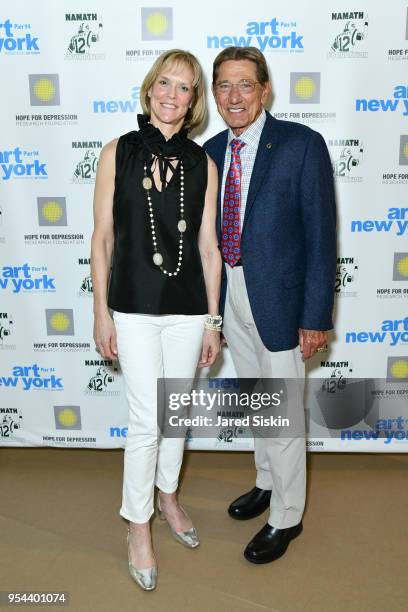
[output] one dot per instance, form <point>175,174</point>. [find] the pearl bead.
<point>158,259</point>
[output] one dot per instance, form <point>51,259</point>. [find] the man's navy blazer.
<point>288,240</point>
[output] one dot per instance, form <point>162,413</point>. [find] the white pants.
<point>152,347</point>
<point>280,462</point>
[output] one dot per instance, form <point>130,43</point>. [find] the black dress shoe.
<point>250,504</point>
<point>270,543</point>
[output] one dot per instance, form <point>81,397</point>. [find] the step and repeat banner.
<point>71,75</point>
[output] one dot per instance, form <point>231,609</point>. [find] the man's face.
<point>238,108</point>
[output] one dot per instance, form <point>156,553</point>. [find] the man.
<point>277,234</point>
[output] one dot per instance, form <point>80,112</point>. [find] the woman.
<point>154,211</point>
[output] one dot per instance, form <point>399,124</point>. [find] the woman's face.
<point>171,95</point>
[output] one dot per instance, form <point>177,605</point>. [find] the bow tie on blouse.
<point>165,151</point>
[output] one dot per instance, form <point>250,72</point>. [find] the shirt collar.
<point>253,132</point>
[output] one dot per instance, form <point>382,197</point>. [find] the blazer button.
<point>269,145</point>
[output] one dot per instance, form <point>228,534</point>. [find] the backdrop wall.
<point>71,74</point>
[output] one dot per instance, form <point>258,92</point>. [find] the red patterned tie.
<point>231,224</point>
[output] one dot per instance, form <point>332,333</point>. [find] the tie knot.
<point>236,145</point>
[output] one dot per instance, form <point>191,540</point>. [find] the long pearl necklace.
<point>181,225</point>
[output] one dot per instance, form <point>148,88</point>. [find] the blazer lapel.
<point>263,157</point>
<point>219,159</point>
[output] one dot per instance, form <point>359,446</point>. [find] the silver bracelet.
<point>213,322</point>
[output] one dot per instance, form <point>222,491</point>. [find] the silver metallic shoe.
<point>145,578</point>
<point>188,538</point>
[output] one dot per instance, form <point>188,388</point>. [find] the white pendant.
<point>147,182</point>
<point>158,259</point>
<point>182,225</point>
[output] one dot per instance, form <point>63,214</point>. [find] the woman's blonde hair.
<point>196,114</point>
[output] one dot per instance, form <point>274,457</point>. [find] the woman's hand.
<point>105,336</point>
<point>211,348</point>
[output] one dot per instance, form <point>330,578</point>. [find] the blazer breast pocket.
<point>279,185</point>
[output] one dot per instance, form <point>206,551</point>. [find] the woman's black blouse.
<point>137,285</point>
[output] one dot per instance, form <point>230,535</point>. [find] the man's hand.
<point>311,340</point>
